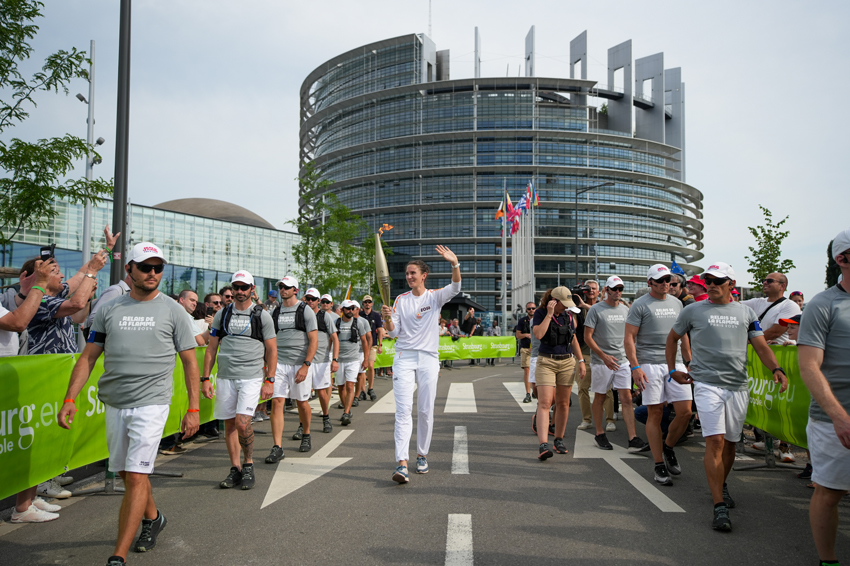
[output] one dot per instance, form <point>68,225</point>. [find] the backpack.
<point>321,321</point>
<point>355,331</point>
<point>299,318</point>
<point>256,322</point>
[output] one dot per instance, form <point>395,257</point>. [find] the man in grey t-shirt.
<point>720,329</point>
<point>353,334</point>
<point>138,335</point>
<point>244,335</point>
<point>328,347</point>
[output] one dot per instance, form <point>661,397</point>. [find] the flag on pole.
<point>500,212</point>
<point>522,205</point>
<point>510,206</point>
<point>535,200</point>
<point>348,293</point>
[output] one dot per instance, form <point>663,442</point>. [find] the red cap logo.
<point>714,267</point>
<point>147,249</point>
<point>662,268</point>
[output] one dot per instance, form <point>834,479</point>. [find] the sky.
<point>214,103</point>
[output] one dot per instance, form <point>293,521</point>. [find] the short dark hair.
<point>423,267</point>
<point>210,296</point>
<point>29,266</point>
<point>184,293</point>
<point>225,288</point>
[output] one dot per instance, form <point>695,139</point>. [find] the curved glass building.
<point>406,145</point>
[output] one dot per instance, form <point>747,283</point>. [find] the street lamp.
<point>577,193</point>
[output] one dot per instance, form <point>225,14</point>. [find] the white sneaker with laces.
<point>787,456</point>
<point>584,425</point>
<point>53,489</point>
<point>758,446</point>
<point>34,515</point>
<point>64,480</point>
<point>610,427</point>
<point>45,506</point>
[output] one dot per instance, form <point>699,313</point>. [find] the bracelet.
<point>456,266</point>
<point>43,292</point>
<point>672,371</point>
<point>636,367</point>
<point>22,296</point>
<point>580,361</point>
<point>70,401</point>
<point>203,379</point>
<point>193,410</point>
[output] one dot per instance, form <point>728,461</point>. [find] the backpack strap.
<point>299,317</point>
<point>275,316</point>
<point>257,322</point>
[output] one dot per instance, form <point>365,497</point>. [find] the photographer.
<point>585,297</point>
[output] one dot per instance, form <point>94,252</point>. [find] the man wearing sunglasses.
<point>226,293</point>
<point>321,369</point>
<point>720,329</point>
<point>773,307</point>
<point>353,335</point>
<point>647,326</point>
<point>523,334</point>
<point>138,334</point>
<point>375,322</point>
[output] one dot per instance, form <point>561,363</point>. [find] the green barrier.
<point>461,349</point>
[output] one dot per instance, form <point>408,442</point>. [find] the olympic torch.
<point>382,272</point>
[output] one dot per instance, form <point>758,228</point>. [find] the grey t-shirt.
<point>719,335</point>
<point>609,329</point>
<point>292,343</point>
<point>324,337</point>
<point>332,316</point>
<point>654,319</point>
<point>139,345</point>
<point>535,345</point>
<point>350,351</point>
<point>239,355</point>
<point>826,325</point>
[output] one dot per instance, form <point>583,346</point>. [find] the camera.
<point>210,311</point>
<point>48,252</point>
<point>581,291</point>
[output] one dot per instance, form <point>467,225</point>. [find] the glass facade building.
<point>405,145</point>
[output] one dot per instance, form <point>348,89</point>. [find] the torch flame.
<point>383,228</point>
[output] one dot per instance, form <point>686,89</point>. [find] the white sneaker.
<point>758,446</point>
<point>610,427</point>
<point>584,425</point>
<point>787,456</point>
<point>53,489</point>
<point>45,506</point>
<point>34,515</point>
<point>64,480</point>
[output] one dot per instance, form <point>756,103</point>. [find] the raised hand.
<point>110,239</point>
<point>447,254</point>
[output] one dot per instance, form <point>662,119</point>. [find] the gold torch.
<point>382,272</point>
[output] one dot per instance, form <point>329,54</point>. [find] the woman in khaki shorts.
<point>557,356</point>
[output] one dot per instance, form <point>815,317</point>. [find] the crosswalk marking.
<point>385,404</point>
<point>460,454</point>
<point>461,399</point>
<point>517,391</point>
<point>459,541</point>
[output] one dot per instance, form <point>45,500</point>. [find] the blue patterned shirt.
<point>48,335</point>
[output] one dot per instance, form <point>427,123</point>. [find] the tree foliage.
<point>33,172</point>
<point>768,249</point>
<point>833,271</point>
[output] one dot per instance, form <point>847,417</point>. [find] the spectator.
<point>468,327</point>
<point>696,287</point>
<point>226,293</point>
<point>797,297</point>
<point>679,289</point>
<point>494,330</point>
<point>773,306</point>
<point>444,330</point>
<point>272,302</point>
<point>736,296</point>
<point>793,325</point>
<point>188,299</point>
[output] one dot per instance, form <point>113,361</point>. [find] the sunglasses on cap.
<point>240,287</point>
<point>148,267</point>
<point>618,289</point>
<point>718,281</point>
<point>665,279</point>
<point>311,299</point>
<point>283,287</point>
<point>325,302</point>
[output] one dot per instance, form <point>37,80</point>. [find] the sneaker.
<point>601,440</point>
<point>806,474</point>
<point>727,499</point>
<point>355,402</point>
<point>258,417</point>
<point>150,530</point>
<point>758,446</point>
<point>661,475</point>
<point>53,489</point>
<point>115,561</point>
<point>671,461</point>
<point>305,444</point>
<point>372,395</point>
<point>545,453</point>
<point>421,465</point>
<point>721,520</point>
<point>45,506</point>
<point>64,480</point>
<point>787,456</point>
<point>213,433</point>
<point>559,446</point>
<point>584,425</point>
<point>637,444</point>
<point>298,433</point>
<point>247,476</point>
<point>326,425</point>
<point>534,423</point>
<point>346,419</point>
<point>275,455</point>
<point>34,515</point>
<point>610,427</point>
<point>400,475</point>
<point>527,398</point>
<point>340,406</point>
<point>697,425</point>
<point>362,396</point>
<point>234,478</point>
<point>173,451</point>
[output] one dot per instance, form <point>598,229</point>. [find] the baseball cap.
<point>367,298</point>
<point>272,293</point>
<point>720,269</point>
<point>327,297</point>
<point>289,281</point>
<point>658,271</point>
<point>793,320</point>
<point>242,276</point>
<point>563,294</point>
<point>614,281</point>
<point>735,291</point>
<point>841,243</point>
<point>698,280</point>
<point>354,303</point>
<point>347,303</point>
<point>145,250</point>
<point>313,292</point>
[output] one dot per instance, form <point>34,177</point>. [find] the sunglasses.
<point>367,302</point>
<point>716,280</point>
<point>283,287</point>
<point>767,281</point>
<point>347,308</point>
<point>674,284</point>
<point>616,289</point>
<point>238,287</point>
<point>216,302</point>
<point>666,279</point>
<point>326,302</point>
<point>311,299</point>
<point>227,296</point>
<point>529,308</point>
<point>147,267</point>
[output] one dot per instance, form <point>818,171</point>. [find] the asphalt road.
<point>338,505</point>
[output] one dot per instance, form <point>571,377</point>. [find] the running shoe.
<point>115,561</point>
<point>53,489</point>
<point>758,446</point>
<point>305,444</point>
<point>697,424</point>
<point>610,427</point>
<point>806,474</point>
<point>346,419</point>
<point>372,395</point>
<point>545,452</point>
<point>637,444</point>
<point>150,530</point>
<point>601,440</point>
<point>727,499</point>
<point>559,446</point>
<point>258,417</point>
<point>362,396</point>
<point>275,455</point>
<point>340,406</point>
<point>527,398</point>
<point>64,480</point>
<point>33,515</point>
<point>234,478</point>
<point>401,475</point>
<point>45,506</point>
<point>298,433</point>
<point>247,476</point>
<point>584,425</point>
<point>421,465</point>
<point>175,450</point>
<point>721,520</point>
<point>671,461</point>
<point>326,425</point>
<point>661,475</point>
<point>786,456</point>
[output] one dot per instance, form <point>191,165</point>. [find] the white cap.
<point>327,297</point>
<point>576,310</point>
<point>145,250</point>
<point>348,303</point>
<point>242,276</point>
<point>289,281</point>
<point>658,271</point>
<point>841,243</point>
<point>614,281</point>
<point>720,269</point>
<point>355,303</point>
<point>313,292</point>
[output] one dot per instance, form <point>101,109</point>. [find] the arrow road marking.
<point>298,472</point>
<point>585,448</point>
<point>461,399</point>
<point>517,391</point>
<point>459,541</point>
<point>385,404</point>
<point>460,455</point>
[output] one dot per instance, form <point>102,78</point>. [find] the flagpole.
<point>505,264</point>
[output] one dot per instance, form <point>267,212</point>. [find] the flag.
<point>510,206</point>
<point>534,198</point>
<point>676,268</point>
<point>515,226</point>
<point>523,205</point>
<point>500,212</point>
<point>348,293</point>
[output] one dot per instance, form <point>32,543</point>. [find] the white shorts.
<point>285,386</point>
<point>532,367</point>
<point>361,369</point>
<point>321,375</point>
<point>236,397</point>
<point>347,373</point>
<point>603,379</point>
<point>830,460</point>
<point>132,437</point>
<point>721,411</point>
<point>660,389</point>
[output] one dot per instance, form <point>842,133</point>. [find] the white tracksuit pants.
<point>414,369</point>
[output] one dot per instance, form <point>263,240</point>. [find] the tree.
<point>765,259</point>
<point>34,172</point>
<point>832,269</point>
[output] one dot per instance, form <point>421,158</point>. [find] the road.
<point>486,500</point>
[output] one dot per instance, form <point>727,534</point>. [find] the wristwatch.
<point>777,368</point>
<point>90,276</point>
<point>203,379</point>
<point>308,364</point>
<point>335,360</point>
<point>269,379</point>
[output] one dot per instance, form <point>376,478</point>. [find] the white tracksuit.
<point>417,363</point>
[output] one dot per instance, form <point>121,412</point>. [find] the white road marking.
<point>385,404</point>
<point>461,399</point>
<point>585,448</point>
<point>459,541</point>
<point>517,391</point>
<point>460,454</point>
<point>486,377</point>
